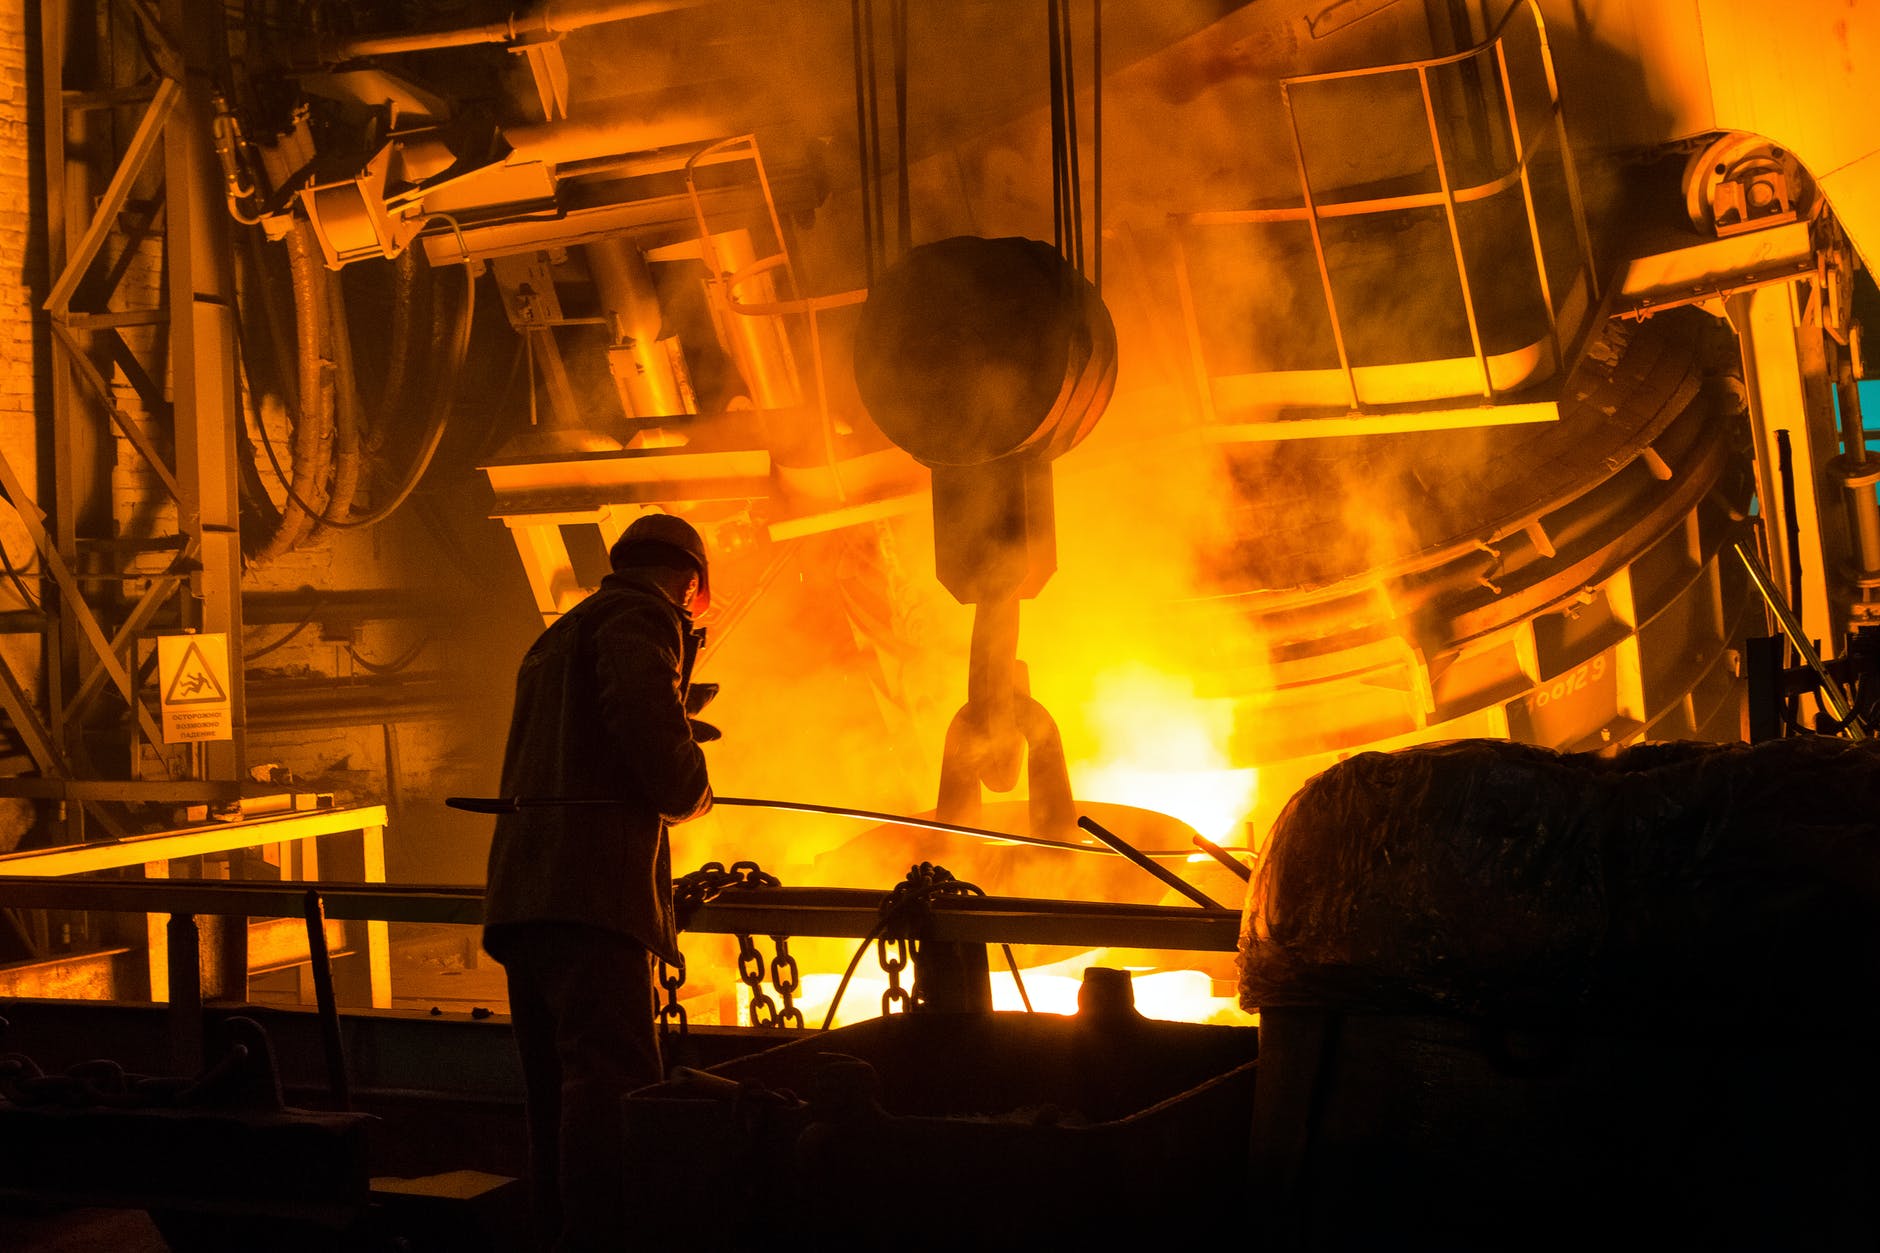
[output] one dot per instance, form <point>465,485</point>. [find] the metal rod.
<point>1448,58</point>
<point>1471,194</point>
<point>1847,393</point>
<point>511,804</point>
<point>1318,246</point>
<point>1191,325</point>
<point>1117,842</point>
<point>183,946</point>
<point>1226,858</point>
<point>322,962</point>
<point>1455,234</point>
<point>1791,513</point>
<point>1575,203</point>
<point>1831,692</point>
<point>1527,203</point>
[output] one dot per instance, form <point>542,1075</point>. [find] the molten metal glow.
<point>1213,802</point>
<point>1160,746</point>
<point>1173,995</point>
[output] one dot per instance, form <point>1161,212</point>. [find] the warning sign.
<point>193,673</point>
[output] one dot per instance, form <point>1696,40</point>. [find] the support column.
<point>202,353</point>
<point>71,462</point>
<point>1792,418</point>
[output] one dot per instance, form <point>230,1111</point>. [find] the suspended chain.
<point>785,977</point>
<point>670,1013</point>
<point>896,995</point>
<point>751,970</point>
<point>689,892</point>
<point>904,913</point>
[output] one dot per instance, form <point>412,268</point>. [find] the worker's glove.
<point>699,695</point>
<point>704,732</point>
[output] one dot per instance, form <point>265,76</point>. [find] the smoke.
<point>1119,645</point>
<point>841,681</point>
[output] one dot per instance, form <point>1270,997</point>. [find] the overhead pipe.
<point>546,20</point>
<point>297,704</point>
<point>676,116</point>
<point>760,341</point>
<point>643,366</point>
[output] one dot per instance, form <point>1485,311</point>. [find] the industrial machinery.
<point>1468,368</point>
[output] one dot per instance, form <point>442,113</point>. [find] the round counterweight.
<point>973,349</point>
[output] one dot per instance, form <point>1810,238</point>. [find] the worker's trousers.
<point>581,1003</point>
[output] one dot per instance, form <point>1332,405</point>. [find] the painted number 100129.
<point>1567,684</point>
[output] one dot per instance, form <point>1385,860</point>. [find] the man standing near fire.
<point>579,902</point>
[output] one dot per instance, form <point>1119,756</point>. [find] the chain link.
<point>906,911</point>
<point>690,892</point>
<point>893,966</point>
<point>785,977</point>
<point>751,971</point>
<point>671,1013</point>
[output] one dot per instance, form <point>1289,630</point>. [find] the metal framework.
<point>293,833</point>
<point>95,625</point>
<point>757,301</point>
<point>773,911</point>
<point>1384,397</point>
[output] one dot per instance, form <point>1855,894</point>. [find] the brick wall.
<point>16,328</point>
<point>17,419</point>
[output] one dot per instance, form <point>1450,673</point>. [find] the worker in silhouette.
<point>579,902</point>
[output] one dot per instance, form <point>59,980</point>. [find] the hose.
<point>396,665</point>
<point>298,491</point>
<point>311,433</point>
<point>441,403</point>
<point>347,458</point>
<point>405,293</point>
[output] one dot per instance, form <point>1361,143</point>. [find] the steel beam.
<point>87,370</point>
<point>33,733</point>
<point>140,616</point>
<point>1790,409</point>
<point>219,837</point>
<point>72,603</point>
<point>830,912</point>
<point>202,357</point>
<point>150,129</point>
<point>124,791</point>
<point>63,209</point>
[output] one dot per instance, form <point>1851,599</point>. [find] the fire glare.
<point>1160,747</point>
<point>1173,995</point>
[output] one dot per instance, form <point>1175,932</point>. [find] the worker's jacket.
<point>600,713</point>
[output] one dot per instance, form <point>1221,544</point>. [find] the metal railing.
<point>805,911</point>
<point>1499,123</point>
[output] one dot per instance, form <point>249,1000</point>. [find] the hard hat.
<point>666,535</point>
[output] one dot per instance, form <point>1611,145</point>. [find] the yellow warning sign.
<point>193,676</point>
